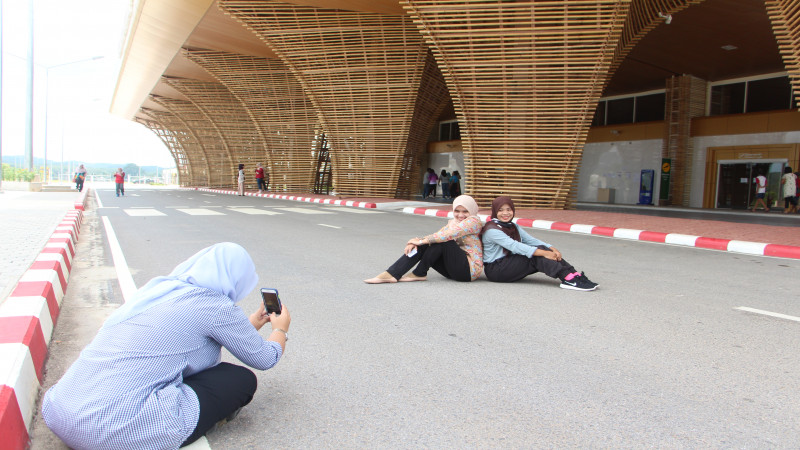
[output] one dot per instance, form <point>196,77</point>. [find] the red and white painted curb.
<point>27,319</point>
<point>324,201</point>
<point>729,245</point>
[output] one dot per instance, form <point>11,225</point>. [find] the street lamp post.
<point>47,104</point>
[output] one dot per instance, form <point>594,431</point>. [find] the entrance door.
<point>736,182</point>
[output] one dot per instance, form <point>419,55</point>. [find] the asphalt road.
<point>658,356</point>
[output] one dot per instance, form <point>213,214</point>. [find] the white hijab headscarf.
<point>225,267</point>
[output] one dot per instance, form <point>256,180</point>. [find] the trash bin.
<point>605,195</point>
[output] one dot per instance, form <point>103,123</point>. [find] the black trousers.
<point>516,267</point>
<point>221,390</point>
<point>447,258</point>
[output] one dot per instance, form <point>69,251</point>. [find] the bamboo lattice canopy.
<point>522,77</point>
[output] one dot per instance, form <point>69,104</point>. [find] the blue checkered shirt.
<point>126,389</point>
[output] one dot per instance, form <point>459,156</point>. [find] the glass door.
<point>736,182</point>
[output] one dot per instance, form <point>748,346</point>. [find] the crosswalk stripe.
<point>200,212</point>
<point>305,210</point>
<point>353,210</point>
<point>141,212</point>
<point>255,211</point>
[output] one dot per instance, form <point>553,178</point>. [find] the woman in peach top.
<point>454,251</point>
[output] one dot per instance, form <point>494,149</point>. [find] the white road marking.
<point>200,212</point>
<point>126,284</point>
<point>768,313</point>
<point>255,211</point>
<point>97,197</point>
<point>143,212</point>
<point>353,210</point>
<point>305,210</point>
<point>329,226</point>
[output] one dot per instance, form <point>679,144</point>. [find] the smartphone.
<point>272,302</point>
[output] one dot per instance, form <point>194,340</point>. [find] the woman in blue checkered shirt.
<point>152,376</point>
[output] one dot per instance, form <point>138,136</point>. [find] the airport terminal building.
<point>663,102</point>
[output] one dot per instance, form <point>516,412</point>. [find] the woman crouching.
<point>454,251</point>
<point>511,254</point>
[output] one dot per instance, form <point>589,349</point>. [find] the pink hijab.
<point>467,202</point>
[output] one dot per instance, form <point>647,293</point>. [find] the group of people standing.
<point>262,178</point>
<point>790,187</point>
<point>465,248</point>
<point>450,183</point>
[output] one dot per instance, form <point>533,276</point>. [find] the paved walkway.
<point>27,219</point>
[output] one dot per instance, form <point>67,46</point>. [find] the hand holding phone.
<point>272,301</point>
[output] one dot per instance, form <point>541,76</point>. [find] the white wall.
<point>618,165</point>
<point>449,161</point>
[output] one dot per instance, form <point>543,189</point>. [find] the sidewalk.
<point>38,233</point>
<point>759,233</point>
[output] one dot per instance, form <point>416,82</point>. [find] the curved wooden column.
<point>210,146</point>
<point>172,142</point>
<point>284,117</point>
<point>240,140</point>
<point>525,78</point>
<point>198,167</point>
<point>361,72</point>
<point>785,18</point>
<point>432,98</point>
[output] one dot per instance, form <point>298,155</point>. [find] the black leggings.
<point>447,258</point>
<point>516,267</point>
<point>221,390</point>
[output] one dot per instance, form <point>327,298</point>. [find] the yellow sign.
<point>665,167</point>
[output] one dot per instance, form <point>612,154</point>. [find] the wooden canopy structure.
<point>264,81</point>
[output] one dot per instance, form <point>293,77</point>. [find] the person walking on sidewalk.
<point>80,177</point>
<point>240,179</point>
<point>511,254</point>
<point>119,180</point>
<point>789,182</point>
<point>426,187</point>
<point>152,376</point>
<point>454,251</point>
<point>761,192</point>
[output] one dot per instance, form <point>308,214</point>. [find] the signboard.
<point>666,169</point>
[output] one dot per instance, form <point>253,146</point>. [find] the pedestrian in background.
<point>433,179</point>
<point>761,192</point>
<point>789,182</point>
<point>426,187</point>
<point>241,179</point>
<point>455,184</point>
<point>444,182</point>
<point>80,176</point>
<point>260,178</point>
<point>152,377</point>
<point>119,180</point>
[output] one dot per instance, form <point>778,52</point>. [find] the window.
<point>767,94</point>
<point>650,108</point>
<point>620,111</point>
<point>634,109</point>
<point>449,131</point>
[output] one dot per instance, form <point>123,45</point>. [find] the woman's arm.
<point>470,225</point>
<point>234,331</point>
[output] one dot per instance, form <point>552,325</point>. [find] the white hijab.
<point>225,267</point>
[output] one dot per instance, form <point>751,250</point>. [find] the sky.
<point>78,45</point>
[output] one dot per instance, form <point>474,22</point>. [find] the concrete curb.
<point>325,201</point>
<point>729,245</point>
<point>27,319</point>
